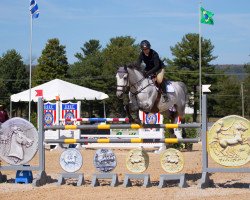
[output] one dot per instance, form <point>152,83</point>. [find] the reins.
<point>143,88</point>
<point>127,88</point>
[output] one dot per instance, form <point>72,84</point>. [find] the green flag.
<point>206,17</point>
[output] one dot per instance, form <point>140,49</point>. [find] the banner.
<point>70,111</point>
<point>50,117</point>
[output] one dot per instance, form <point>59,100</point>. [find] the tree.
<point>52,63</point>
<point>246,91</point>
<point>14,76</point>
<point>89,48</point>
<point>186,64</point>
<point>89,65</point>
<point>226,96</point>
<point>87,71</point>
<point>96,67</point>
<point>119,51</point>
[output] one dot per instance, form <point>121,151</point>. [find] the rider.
<point>154,65</point>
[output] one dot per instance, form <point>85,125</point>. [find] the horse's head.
<point>122,81</point>
<point>20,137</point>
<point>128,77</point>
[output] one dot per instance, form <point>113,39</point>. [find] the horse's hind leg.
<point>175,119</point>
<point>179,118</point>
<point>184,133</point>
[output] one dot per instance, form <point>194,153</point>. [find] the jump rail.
<point>124,140</point>
<point>96,120</point>
<point>121,126</point>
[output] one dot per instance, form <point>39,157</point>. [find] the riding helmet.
<point>145,44</point>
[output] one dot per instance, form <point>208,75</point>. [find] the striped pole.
<point>121,126</point>
<point>96,120</point>
<point>124,140</point>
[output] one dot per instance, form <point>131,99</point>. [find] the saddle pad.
<point>169,87</point>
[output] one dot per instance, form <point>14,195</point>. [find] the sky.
<point>162,22</point>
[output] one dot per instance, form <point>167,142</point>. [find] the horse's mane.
<point>134,65</point>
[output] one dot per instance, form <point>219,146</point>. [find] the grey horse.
<point>145,96</point>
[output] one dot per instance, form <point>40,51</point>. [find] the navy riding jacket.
<point>152,61</point>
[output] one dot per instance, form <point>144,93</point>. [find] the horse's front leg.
<point>135,111</point>
<point>127,110</point>
<point>132,108</point>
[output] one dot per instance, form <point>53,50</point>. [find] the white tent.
<point>63,89</point>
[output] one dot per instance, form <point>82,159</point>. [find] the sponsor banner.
<point>50,117</point>
<point>151,118</point>
<point>70,111</point>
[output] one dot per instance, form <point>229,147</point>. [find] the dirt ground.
<point>224,186</point>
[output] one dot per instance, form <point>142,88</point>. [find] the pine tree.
<point>52,63</point>
<point>87,72</point>
<point>186,65</point>
<point>246,90</point>
<point>14,76</point>
<point>119,52</point>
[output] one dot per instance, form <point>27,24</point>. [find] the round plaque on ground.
<point>137,160</point>
<point>172,160</point>
<point>104,160</point>
<point>71,160</point>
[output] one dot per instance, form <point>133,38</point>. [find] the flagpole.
<point>31,28</point>
<point>200,89</point>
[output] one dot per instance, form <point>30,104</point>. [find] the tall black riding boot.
<point>164,91</point>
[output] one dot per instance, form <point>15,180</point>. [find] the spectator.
<point>3,114</point>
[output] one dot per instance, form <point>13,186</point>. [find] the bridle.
<point>126,87</point>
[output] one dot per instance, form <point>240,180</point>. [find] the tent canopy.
<point>63,89</point>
